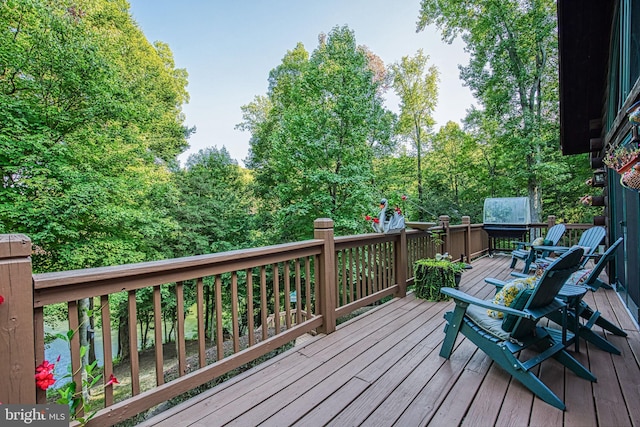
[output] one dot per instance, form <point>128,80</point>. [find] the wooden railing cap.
<point>323,223</point>
<point>14,246</point>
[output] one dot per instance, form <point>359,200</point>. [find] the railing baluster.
<point>107,356</point>
<point>264,309</point>
<point>276,298</point>
<point>287,297</point>
<point>307,270</point>
<point>234,312</point>
<point>202,339</point>
<point>344,287</point>
<point>250,323</point>
<point>133,344</point>
<point>180,337</point>
<point>157,325</point>
<point>218,310</point>
<point>38,329</point>
<point>76,362</point>
<point>298,292</point>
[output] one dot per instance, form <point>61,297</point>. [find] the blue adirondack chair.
<point>502,343</point>
<point>525,252</point>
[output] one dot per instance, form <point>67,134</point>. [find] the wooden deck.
<point>383,368</point>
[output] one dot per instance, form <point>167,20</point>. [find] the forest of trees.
<point>91,126</point>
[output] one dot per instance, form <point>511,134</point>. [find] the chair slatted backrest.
<point>548,287</point>
<point>591,238</point>
<point>602,263</point>
<point>555,233</point>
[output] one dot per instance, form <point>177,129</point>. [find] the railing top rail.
<point>52,288</point>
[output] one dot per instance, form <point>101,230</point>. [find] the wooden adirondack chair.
<point>590,280</point>
<point>589,241</point>
<point>593,317</point>
<point>529,255</point>
<point>503,346</point>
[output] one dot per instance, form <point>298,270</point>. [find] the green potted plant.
<point>431,274</point>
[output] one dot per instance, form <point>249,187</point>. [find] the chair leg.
<point>528,261</point>
<point>454,320</point>
<point>588,313</point>
<point>570,362</point>
<point>584,332</point>
<point>514,260</point>
<point>514,367</point>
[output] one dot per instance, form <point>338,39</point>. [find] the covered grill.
<point>507,218</point>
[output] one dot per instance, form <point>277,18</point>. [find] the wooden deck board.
<point>383,368</point>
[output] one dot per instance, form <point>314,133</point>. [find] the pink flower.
<point>1,299</point>
<point>404,197</point>
<point>398,210</point>
<point>112,380</point>
<point>44,375</point>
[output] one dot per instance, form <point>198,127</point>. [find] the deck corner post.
<point>17,350</point>
<point>401,261</point>
<point>326,275</point>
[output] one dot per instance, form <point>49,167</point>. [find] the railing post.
<point>17,350</point>
<point>551,221</point>
<point>466,220</point>
<point>444,223</point>
<point>401,261</point>
<point>326,274</point>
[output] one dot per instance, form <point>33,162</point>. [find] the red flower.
<point>1,299</point>
<point>367,217</point>
<point>376,220</point>
<point>404,197</point>
<point>112,380</point>
<point>398,210</point>
<point>44,375</point>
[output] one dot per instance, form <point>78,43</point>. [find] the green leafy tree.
<point>417,87</point>
<point>512,72</point>
<point>314,139</point>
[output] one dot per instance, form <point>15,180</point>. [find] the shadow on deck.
<point>383,368</point>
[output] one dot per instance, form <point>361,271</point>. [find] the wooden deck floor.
<point>383,369</point>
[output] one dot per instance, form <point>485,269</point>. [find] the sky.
<point>228,47</point>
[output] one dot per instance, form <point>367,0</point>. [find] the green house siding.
<point>624,205</point>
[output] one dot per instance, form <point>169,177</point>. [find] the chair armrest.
<point>460,296</point>
<point>559,249</point>
<point>520,275</point>
<point>499,284</point>
<point>520,245</point>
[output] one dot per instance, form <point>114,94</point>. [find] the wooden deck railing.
<point>232,295</point>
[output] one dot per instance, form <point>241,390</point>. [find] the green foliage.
<point>314,141</point>
<point>90,113</point>
<point>430,275</point>
<point>512,72</point>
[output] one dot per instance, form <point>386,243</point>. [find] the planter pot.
<point>624,168</point>
<point>599,220</point>
<point>597,201</point>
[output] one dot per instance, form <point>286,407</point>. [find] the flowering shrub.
<point>68,395</point>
